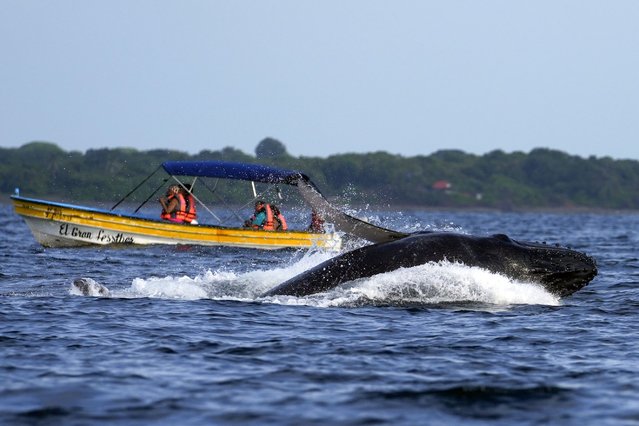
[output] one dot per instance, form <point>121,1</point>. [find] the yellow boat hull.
<point>64,225</point>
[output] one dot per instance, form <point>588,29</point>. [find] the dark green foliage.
<point>543,178</point>
<point>270,148</point>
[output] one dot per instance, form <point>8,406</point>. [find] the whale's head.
<point>561,270</point>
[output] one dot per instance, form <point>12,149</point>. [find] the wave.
<point>430,284</point>
<point>440,283</point>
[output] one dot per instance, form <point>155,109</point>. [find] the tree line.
<point>542,178</point>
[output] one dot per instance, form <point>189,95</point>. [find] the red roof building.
<point>442,185</point>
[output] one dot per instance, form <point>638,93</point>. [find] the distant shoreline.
<point>4,199</point>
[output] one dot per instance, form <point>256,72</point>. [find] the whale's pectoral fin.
<point>90,287</point>
<point>344,222</point>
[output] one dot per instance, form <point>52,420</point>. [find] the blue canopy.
<point>268,174</point>
<point>230,170</point>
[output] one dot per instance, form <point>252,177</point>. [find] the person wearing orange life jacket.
<point>269,222</point>
<point>262,217</point>
<point>279,221</point>
<point>190,211</point>
<point>173,205</point>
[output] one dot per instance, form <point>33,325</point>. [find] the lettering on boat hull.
<point>111,238</point>
<point>98,236</point>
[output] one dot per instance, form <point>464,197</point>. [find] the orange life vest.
<point>283,226</point>
<point>268,223</point>
<point>189,211</point>
<point>177,215</point>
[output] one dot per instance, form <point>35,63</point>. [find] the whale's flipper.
<point>90,287</point>
<point>342,221</point>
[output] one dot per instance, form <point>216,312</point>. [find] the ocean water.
<point>183,337</point>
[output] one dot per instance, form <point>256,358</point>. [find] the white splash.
<point>445,282</point>
<point>216,284</point>
<point>432,283</point>
<point>168,288</point>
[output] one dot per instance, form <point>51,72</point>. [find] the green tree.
<point>270,148</point>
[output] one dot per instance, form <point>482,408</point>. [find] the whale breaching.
<point>559,270</point>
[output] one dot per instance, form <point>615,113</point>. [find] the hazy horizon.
<point>409,77</point>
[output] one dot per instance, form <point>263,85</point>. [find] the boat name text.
<point>102,236</point>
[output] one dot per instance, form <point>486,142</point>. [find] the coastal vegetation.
<point>542,178</point>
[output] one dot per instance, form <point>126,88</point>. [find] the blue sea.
<point>184,338</point>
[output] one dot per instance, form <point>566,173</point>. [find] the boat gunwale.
<point>160,222</point>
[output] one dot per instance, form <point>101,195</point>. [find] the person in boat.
<point>190,211</point>
<point>279,221</point>
<point>262,217</point>
<point>258,217</point>
<point>173,205</point>
<point>317,222</point>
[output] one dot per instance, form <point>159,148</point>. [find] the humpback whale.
<point>560,270</point>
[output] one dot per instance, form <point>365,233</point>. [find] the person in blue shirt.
<point>259,216</point>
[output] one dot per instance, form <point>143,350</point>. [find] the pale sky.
<point>324,77</point>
